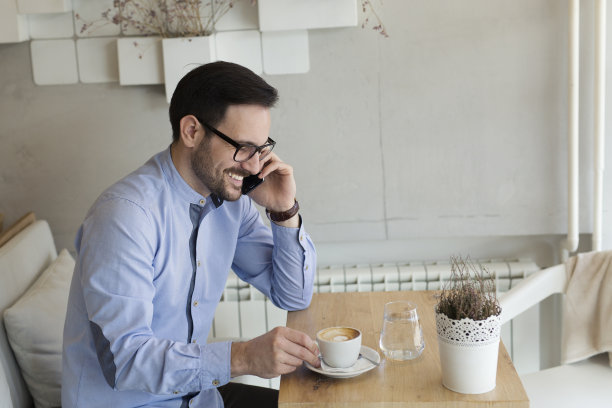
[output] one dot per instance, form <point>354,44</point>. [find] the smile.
<point>235,176</point>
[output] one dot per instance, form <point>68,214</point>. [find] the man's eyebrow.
<point>248,142</point>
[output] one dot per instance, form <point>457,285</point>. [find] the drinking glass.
<point>401,337</point>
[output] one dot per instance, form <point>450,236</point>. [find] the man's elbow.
<point>294,304</point>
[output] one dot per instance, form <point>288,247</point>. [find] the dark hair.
<point>208,90</point>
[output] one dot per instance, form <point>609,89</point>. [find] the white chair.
<point>587,383</point>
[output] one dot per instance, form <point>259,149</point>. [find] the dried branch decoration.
<point>183,18</point>
<point>470,292</point>
<point>368,9</point>
<point>166,18</point>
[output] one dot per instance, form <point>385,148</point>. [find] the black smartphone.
<point>250,182</point>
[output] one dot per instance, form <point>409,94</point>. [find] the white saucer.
<point>361,366</point>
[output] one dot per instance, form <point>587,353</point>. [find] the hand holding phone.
<point>250,182</point>
<point>278,193</point>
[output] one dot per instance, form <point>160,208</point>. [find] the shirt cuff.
<point>286,237</point>
<point>296,244</point>
<point>216,364</point>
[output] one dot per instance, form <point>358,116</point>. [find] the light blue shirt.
<point>153,259</point>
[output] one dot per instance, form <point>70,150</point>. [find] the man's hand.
<point>277,193</point>
<point>280,351</point>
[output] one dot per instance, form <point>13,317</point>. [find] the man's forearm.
<point>239,359</point>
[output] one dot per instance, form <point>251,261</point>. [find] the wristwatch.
<point>283,215</point>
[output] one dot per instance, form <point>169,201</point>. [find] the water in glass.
<point>401,337</point>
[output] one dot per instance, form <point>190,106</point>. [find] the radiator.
<point>244,312</point>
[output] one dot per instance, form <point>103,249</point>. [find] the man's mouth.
<point>236,177</point>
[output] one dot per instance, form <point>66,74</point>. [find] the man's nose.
<point>253,165</point>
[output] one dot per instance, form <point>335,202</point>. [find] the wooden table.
<point>413,383</point>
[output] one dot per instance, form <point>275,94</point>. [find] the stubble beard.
<point>201,164</point>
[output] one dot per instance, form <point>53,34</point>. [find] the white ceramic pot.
<point>468,353</point>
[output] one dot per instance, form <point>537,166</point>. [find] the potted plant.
<point>468,325</point>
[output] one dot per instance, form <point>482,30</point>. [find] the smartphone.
<point>250,182</point>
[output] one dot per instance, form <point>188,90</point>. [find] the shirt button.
<point>195,303</point>
<point>306,268</point>
<point>175,392</point>
<point>194,341</point>
<point>301,237</point>
<point>215,382</point>
<point>202,201</point>
<point>199,263</point>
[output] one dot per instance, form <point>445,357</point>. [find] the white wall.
<point>451,131</point>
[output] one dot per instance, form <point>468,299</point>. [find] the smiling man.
<point>155,250</point>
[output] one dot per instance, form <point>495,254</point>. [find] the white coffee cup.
<point>339,346</point>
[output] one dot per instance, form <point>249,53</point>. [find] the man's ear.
<point>191,131</point>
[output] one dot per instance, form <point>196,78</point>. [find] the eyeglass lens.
<point>244,153</point>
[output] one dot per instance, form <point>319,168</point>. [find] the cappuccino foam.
<point>338,334</point>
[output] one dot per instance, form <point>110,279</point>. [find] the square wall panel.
<point>43,6</point>
<point>240,47</point>
<point>242,16</point>
<point>181,55</point>
<point>51,25</point>
<point>13,26</point>
<point>88,20</point>
<point>97,60</point>
<point>140,60</point>
<point>275,15</point>
<point>54,62</point>
<point>285,52</point>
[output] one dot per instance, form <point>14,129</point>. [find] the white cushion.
<point>5,393</point>
<point>582,384</point>
<point>35,324</point>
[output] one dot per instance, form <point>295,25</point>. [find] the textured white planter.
<point>468,353</point>
<point>181,55</point>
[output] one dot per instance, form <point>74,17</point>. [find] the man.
<point>154,253</point>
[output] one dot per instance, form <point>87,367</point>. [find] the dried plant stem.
<point>166,18</point>
<point>368,8</point>
<point>470,292</point>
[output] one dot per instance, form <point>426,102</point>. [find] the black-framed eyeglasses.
<point>244,151</point>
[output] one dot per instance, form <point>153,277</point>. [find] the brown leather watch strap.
<point>284,215</point>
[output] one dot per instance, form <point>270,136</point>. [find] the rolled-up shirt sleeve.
<point>279,261</point>
<point>118,282</point>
